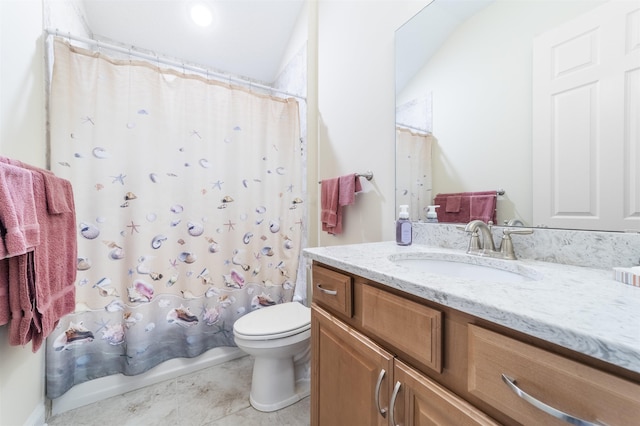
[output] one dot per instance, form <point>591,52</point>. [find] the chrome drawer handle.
<point>382,411</point>
<point>544,407</point>
<point>325,291</point>
<point>394,396</point>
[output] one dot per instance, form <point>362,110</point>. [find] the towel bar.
<point>366,175</point>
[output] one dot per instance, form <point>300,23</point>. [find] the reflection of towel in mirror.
<point>463,209</point>
<point>453,203</point>
<point>335,194</point>
<point>483,207</point>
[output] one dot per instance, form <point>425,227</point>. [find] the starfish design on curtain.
<point>119,178</point>
<point>133,227</point>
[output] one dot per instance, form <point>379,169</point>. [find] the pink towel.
<point>55,258</point>
<point>45,278</point>
<point>57,200</point>
<point>329,195</point>
<point>453,204</point>
<point>19,226</point>
<point>21,290</point>
<point>5,307</point>
<point>349,185</point>
<point>482,208</point>
<point>335,194</point>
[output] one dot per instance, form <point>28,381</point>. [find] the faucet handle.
<point>506,245</point>
<point>509,231</point>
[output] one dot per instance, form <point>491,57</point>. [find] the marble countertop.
<point>579,308</point>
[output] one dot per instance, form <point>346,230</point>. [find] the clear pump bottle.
<point>403,227</point>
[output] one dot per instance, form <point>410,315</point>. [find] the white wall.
<point>22,136</point>
<point>356,109</point>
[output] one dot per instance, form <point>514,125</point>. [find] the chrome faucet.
<point>486,246</point>
<point>476,246</point>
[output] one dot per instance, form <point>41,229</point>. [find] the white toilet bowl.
<point>279,339</point>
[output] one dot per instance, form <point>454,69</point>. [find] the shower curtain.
<point>414,173</point>
<point>188,195</point>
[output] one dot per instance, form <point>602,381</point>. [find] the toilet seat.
<point>274,322</point>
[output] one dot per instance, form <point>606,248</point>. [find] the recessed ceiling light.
<point>201,14</point>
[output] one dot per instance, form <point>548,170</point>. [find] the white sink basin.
<point>467,267</point>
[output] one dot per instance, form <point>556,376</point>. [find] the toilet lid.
<point>281,320</point>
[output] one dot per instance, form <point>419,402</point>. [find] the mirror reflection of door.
<point>586,118</point>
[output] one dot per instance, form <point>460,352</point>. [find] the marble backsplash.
<point>594,249</point>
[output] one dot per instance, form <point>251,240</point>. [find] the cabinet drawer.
<point>562,384</point>
<point>333,290</point>
<point>408,326</point>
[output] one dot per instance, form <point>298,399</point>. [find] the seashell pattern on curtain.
<point>188,196</point>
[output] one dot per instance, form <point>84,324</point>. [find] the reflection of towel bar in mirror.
<point>369,176</point>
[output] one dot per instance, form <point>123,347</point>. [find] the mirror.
<point>463,77</point>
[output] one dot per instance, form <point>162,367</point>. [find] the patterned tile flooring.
<point>215,396</point>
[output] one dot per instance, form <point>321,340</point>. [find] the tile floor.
<point>216,396</point>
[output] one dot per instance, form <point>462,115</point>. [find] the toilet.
<point>279,339</point>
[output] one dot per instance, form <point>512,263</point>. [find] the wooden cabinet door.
<point>422,402</point>
<point>346,367</point>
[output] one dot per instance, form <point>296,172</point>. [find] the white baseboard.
<point>106,387</point>
<point>37,417</point>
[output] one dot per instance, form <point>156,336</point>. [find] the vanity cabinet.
<point>391,358</point>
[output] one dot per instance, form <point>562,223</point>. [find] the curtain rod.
<point>166,61</point>
<point>408,127</point>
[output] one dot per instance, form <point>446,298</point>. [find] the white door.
<point>586,121</point>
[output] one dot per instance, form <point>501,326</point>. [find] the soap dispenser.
<point>403,227</point>
<point>432,216</point>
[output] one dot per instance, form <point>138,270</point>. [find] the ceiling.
<point>248,37</point>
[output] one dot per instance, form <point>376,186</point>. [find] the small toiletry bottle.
<point>432,216</point>
<point>403,227</point>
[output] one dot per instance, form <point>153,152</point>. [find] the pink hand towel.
<point>453,203</point>
<point>349,185</point>
<point>329,195</point>
<point>21,299</point>
<point>55,259</point>
<point>19,226</point>
<point>457,215</point>
<point>5,307</point>
<point>483,207</point>
<point>337,193</point>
